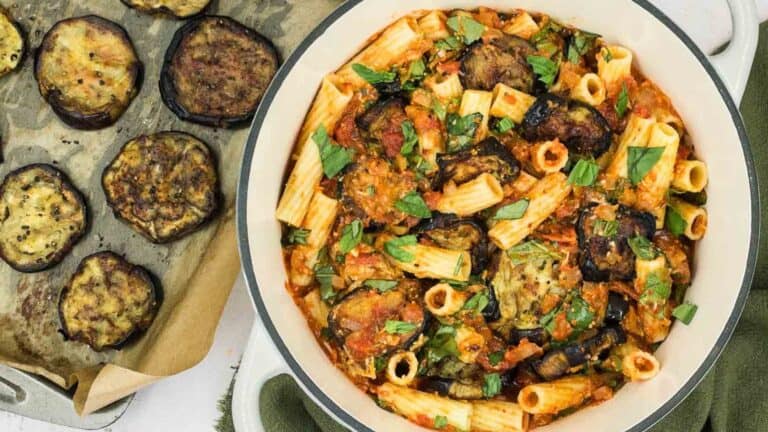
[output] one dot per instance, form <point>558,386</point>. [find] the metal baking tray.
<point>34,397</point>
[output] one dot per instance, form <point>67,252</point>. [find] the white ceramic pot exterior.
<point>724,258</point>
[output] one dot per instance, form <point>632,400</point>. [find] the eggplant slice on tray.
<point>180,9</point>
<point>42,216</point>
<point>88,71</point>
<point>216,70</point>
<point>12,45</point>
<point>163,185</point>
<point>107,301</point>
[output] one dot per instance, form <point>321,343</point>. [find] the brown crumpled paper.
<point>196,272</point>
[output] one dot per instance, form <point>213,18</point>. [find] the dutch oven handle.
<point>735,62</point>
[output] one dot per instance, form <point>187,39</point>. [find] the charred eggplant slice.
<point>163,185</point>
<point>489,156</point>
<point>88,71</point>
<point>12,45</point>
<point>450,387</point>
<point>384,123</point>
<point>617,308</point>
<point>42,216</point>
<point>577,125</point>
<point>373,187</point>
<point>107,301</point>
<point>451,232</point>
<point>177,8</point>
<point>216,70</point>
<point>603,231</point>
<point>500,60</point>
<point>369,323</point>
<point>558,362</point>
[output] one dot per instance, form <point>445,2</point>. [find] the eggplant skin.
<point>107,301</point>
<point>181,9</point>
<point>216,71</point>
<point>577,125</point>
<point>488,156</point>
<point>12,43</point>
<point>451,232</point>
<point>501,60</point>
<point>88,71</point>
<point>165,185</point>
<point>42,216</point>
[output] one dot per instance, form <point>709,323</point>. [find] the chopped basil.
<point>450,43</point>
<point>579,314</point>
<point>441,345</point>
<point>382,285</point>
<point>441,422</point>
<point>504,125</point>
<point>439,109</point>
<point>399,327</point>
<point>410,138</point>
<point>467,27</point>
<point>640,161</point>
<point>333,157</point>
<point>417,69</point>
<point>477,302</point>
<point>298,236</point>
<point>491,385</point>
<point>607,55</point>
<point>379,363</point>
<point>545,68</point>
<point>495,358</point>
<point>372,76</point>
<point>622,103</point>
<point>516,210</point>
<point>584,173</point>
<point>685,312</point>
<point>532,250</point>
<point>394,248</point>
<point>605,228</point>
<point>581,43</point>
<point>351,236</point>
<point>459,264</point>
<point>461,130</point>
<point>371,190</point>
<point>414,205</point>
<point>643,248</point>
<point>547,321</point>
<point>656,290</point>
<point>674,221</point>
<point>457,285</point>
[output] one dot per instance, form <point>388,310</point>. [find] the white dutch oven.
<point>724,260</point>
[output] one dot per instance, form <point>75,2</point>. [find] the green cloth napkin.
<point>733,396</point>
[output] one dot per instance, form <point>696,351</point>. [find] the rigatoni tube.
<point>555,396</point>
<point>690,176</point>
<point>498,416</point>
<point>509,102</point>
<point>695,218</point>
<point>471,197</point>
<point>423,408</point>
<point>477,101</point>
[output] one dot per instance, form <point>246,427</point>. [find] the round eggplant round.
<point>383,123</point>
<point>164,185</point>
<point>12,45</point>
<point>577,125</point>
<point>107,301</point>
<point>216,71</point>
<point>180,9</point>
<point>368,323</point>
<point>558,362</point>
<point>451,232</point>
<point>88,71</point>
<point>500,60</point>
<point>604,250</point>
<point>373,186</point>
<point>488,156</point>
<point>42,216</point>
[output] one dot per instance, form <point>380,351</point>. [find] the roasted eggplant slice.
<point>603,231</point>
<point>216,70</point>
<point>107,301</point>
<point>451,232</point>
<point>12,45</point>
<point>41,217</point>
<point>177,8</point>
<point>373,187</point>
<point>558,362</point>
<point>577,125</point>
<point>384,123</point>
<point>163,185</point>
<point>489,156</point>
<point>500,60</point>
<point>369,323</point>
<point>88,71</point>
<point>450,387</point>
<point>538,335</point>
<point>617,308</point>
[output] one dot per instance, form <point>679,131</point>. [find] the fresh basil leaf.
<point>685,312</point>
<point>643,248</point>
<point>382,285</point>
<point>461,130</point>
<point>467,27</point>
<point>674,221</point>
<point>495,358</point>
<point>399,327</point>
<point>459,263</point>
<point>477,302</point>
<point>298,236</point>
<point>622,103</point>
<point>441,422</point>
<point>394,248</point>
<point>547,321</point>
<point>414,205</point>
<point>442,344</point>
<point>581,43</point>
<point>640,160</point>
<point>380,363</point>
<point>410,138</point>
<point>333,157</point>
<point>491,385</point>
<point>584,173</point>
<point>656,290</point>
<point>579,314</point>
<point>532,250</point>
<point>504,125</point>
<point>450,43</point>
<point>417,69</point>
<point>607,55</point>
<point>439,110</point>
<point>372,76</point>
<point>605,228</point>
<point>351,236</point>
<point>516,210</point>
<point>545,68</point>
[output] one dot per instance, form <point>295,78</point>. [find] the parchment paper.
<point>196,273</point>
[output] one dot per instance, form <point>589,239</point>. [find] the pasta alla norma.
<point>478,195</point>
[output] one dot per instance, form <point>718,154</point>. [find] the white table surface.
<point>190,398</point>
